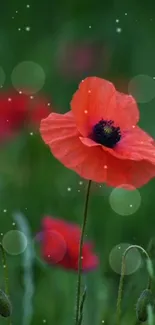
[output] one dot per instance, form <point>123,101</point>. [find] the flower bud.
<point>5,305</point>
<point>146,298</point>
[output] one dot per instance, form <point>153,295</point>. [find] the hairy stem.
<point>6,279</point>
<point>120,289</point>
<point>81,306</point>
<point>80,254</point>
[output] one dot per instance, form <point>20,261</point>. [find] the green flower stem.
<point>80,254</point>
<point>6,279</point>
<point>120,289</point>
<point>81,306</point>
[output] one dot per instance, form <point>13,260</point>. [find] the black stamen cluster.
<point>105,133</point>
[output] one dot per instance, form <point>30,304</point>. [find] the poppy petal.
<point>66,230</point>
<point>90,262</point>
<point>98,99</point>
<point>105,168</point>
<point>62,226</point>
<point>60,133</point>
<point>91,102</point>
<point>54,246</point>
<point>60,245</point>
<point>136,145</point>
<point>49,223</point>
<point>90,143</point>
<point>126,113</point>
<point>67,262</point>
<point>141,172</point>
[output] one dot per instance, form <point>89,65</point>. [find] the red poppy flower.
<point>38,109</point>
<point>99,138</point>
<point>60,245</point>
<point>18,109</point>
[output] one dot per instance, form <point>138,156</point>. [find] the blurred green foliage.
<point>34,183</point>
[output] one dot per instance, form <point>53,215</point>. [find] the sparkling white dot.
<point>89,26</point>
<point>80,183</point>
<point>31,133</point>
<point>117,20</point>
<point>5,210</point>
<point>105,166</point>
<point>69,189</point>
<point>119,30</point>
<point>85,111</point>
<point>28,6</point>
<point>27,28</point>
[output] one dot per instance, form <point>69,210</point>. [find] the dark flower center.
<point>105,133</point>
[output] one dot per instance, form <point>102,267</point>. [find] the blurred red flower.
<point>17,110</point>
<point>99,138</point>
<point>79,58</point>
<point>38,109</point>
<point>60,245</point>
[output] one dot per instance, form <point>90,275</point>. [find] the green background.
<point>33,183</point>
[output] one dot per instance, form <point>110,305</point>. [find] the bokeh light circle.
<point>28,77</point>
<point>123,201</point>
<point>133,259</point>
<point>2,77</point>
<point>57,243</point>
<point>142,88</point>
<point>14,242</point>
